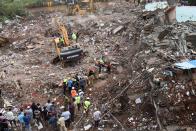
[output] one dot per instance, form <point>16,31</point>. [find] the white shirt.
<point>10,115</point>
<point>81,94</point>
<point>66,115</point>
<point>97,115</point>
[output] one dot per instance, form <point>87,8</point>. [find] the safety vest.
<point>73,93</point>
<point>61,40</point>
<point>65,80</point>
<point>87,104</point>
<point>77,98</point>
<point>74,37</point>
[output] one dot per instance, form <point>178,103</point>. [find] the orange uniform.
<point>73,93</point>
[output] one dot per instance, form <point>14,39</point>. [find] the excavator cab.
<point>65,51</point>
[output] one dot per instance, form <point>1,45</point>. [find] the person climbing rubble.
<point>96,117</point>
<point>87,105</point>
<point>73,92</point>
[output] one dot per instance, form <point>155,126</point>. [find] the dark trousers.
<point>67,123</point>
<point>79,105</point>
<point>97,123</point>
<point>72,116</point>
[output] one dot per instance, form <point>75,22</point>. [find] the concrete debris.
<point>144,87</point>
<point>118,29</point>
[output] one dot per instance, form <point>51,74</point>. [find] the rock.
<point>118,29</point>
<point>87,127</point>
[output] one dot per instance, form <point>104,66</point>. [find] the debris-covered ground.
<point>146,89</point>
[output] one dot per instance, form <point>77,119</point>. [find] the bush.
<point>11,8</point>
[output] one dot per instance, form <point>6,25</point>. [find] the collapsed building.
<point>151,87</point>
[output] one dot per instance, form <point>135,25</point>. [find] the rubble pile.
<point>145,91</point>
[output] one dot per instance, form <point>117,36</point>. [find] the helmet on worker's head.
<point>88,98</point>
<point>73,88</point>
<point>80,90</point>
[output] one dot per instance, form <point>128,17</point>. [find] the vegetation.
<point>11,8</point>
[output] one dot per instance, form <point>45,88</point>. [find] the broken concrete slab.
<point>191,37</point>
<point>118,29</point>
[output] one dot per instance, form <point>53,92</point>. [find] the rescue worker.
<point>71,109</point>
<point>82,83</point>
<point>100,64</point>
<point>61,41</point>
<point>78,102</point>
<point>87,105</point>
<point>61,123</point>
<point>73,92</point>
<point>97,117</point>
<point>74,37</point>
<point>81,94</point>
<point>66,101</point>
<point>64,85</point>
<point>69,85</point>
<point>91,75</point>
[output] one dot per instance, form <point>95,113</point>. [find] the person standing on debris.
<point>53,121</point>
<point>64,86</point>
<point>71,109</point>
<point>78,102</point>
<point>33,107</point>
<point>82,83</point>
<point>66,101</point>
<point>21,119</point>
<point>10,117</point>
<point>73,92</point>
<point>29,112</point>
<point>27,122</point>
<point>69,84</point>
<point>3,123</point>
<point>97,117</point>
<point>61,123</point>
<point>66,115</point>
<point>81,94</point>
<point>61,41</point>
<point>87,105</point>
<point>74,36</point>
<point>91,75</point>
<point>48,105</point>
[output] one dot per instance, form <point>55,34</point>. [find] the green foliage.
<point>11,8</point>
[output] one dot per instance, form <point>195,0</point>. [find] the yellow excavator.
<point>65,51</point>
<point>80,6</point>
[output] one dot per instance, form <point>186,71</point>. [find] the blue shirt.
<point>26,120</point>
<point>70,83</point>
<point>21,117</point>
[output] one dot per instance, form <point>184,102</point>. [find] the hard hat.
<point>88,98</point>
<point>80,90</point>
<point>73,88</point>
<point>28,107</point>
<point>95,109</point>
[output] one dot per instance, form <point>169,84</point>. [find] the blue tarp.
<point>185,13</point>
<point>186,65</point>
